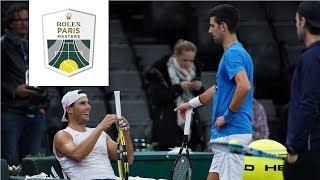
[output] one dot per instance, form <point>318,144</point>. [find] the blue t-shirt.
<point>234,60</point>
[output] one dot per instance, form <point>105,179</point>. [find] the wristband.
<point>195,102</point>
<point>228,114</point>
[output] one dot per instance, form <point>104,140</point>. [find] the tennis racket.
<point>123,165</point>
<point>182,165</point>
<point>244,150</point>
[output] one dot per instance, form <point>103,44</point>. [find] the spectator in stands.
<point>174,80</point>
<point>83,152</point>
<point>303,136</point>
<point>22,109</point>
<point>233,95</point>
<point>259,122</point>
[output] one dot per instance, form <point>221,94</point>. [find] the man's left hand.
<point>124,125</point>
<point>292,158</point>
<point>220,121</point>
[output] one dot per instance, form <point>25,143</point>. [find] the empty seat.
<point>294,52</point>
<point>269,108</point>
<point>167,15</point>
<point>134,110</point>
<point>150,53</point>
<point>255,32</point>
<point>116,34</point>
<point>128,82</point>
<point>281,11</point>
<point>250,11</point>
<point>137,113</point>
<point>121,57</point>
<point>203,36</point>
<point>202,8</point>
<point>208,79</point>
<point>267,64</point>
<point>286,32</point>
<point>141,130</point>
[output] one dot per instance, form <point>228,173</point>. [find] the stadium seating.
<point>120,57</point>
<point>208,79</point>
<point>281,11</point>
<point>137,113</point>
<point>116,34</point>
<point>128,82</point>
<point>147,54</point>
<point>272,120</point>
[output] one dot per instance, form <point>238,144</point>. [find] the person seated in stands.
<point>173,80</point>
<point>83,152</point>
<point>259,122</point>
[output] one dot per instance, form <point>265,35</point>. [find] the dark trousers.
<point>307,167</point>
<point>26,129</point>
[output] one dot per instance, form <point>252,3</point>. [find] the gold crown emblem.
<point>68,16</point>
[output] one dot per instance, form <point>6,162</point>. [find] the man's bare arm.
<point>113,147</point>
<point>207,95</point>
<point>66,147</point>
<point>241,92</point>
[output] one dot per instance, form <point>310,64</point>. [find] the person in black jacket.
<point>22,109</point>
<point>303,136</point>
<point>174,80</point>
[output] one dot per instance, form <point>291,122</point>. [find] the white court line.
<point>74,45</point>
<point>68,51</point>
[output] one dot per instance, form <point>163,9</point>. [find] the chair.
<point>137,113</point>
<point>128,82</point>
<point>148,54</point>
<point>121,57</point>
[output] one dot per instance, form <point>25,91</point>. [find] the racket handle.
<point>188,122</point>
<point>117,101</point>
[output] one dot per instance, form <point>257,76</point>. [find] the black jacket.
<point>14,63</point>
<point>162,95</point>
<point>304,112</point>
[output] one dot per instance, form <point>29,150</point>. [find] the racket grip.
<point>117,101</point>
<point>185,138</point>
<point>188,122</point>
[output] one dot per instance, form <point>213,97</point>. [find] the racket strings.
<point>181,169</point>
<point>123,165</point>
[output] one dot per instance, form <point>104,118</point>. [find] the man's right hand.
<point>23,91</point>
<point>182,108</point>
<point>108,120</point>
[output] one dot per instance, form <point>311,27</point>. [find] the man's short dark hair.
<point>14,9</point>
<point>228,14</point>
<point>312,29</point>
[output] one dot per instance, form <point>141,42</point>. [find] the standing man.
<point>233,95</point>
<point>303,138</point>
<point>22,109</point>
<point>83,152</point>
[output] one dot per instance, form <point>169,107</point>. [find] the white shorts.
<point>229,166</point>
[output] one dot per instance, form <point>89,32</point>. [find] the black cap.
<point>310,10</point>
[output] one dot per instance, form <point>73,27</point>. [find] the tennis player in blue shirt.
<point>232,95</point>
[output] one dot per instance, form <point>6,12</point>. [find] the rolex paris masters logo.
<point>68,41</point>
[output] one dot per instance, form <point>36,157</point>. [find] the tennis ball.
<point>68,66</point>
<point>264,168</point>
